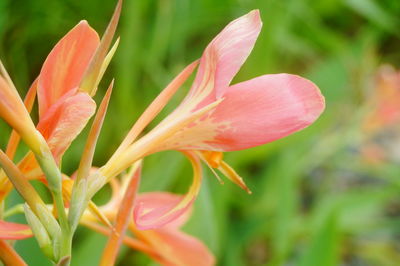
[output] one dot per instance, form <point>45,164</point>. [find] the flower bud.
<point>39,231</point>
<point>78,203</point>
<point>48,221</point>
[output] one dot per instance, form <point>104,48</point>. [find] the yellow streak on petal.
<point>156,106</point>
<point>196,184</point>
<point>88,83</point>
<point>107,61</point>
<point>206,86</point>
<point>196,135</point>
<point>152,142</point>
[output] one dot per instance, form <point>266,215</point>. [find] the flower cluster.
<point>213,118</point>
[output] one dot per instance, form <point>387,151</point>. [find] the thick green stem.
<point>66,233</point>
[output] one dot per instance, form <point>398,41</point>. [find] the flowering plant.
<point>214,117</point>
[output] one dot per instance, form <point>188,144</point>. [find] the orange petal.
<point>15,138</point>
<point>65,65</point>
<point>88,153</point>
<point>65,120</point>
<point>9,256</point>
<point>123,218</point>
<point>13,112</point>
<point>14,231</point>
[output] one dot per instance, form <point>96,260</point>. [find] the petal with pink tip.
<point>150,213</point>
<point>178,248</point>
<point>164,201</point>
<point>65,65</point>
<point>231,46</point>
<point>14,231</point>
<point>65,120</point>
<point>164,209</point>
<point>265,109</point>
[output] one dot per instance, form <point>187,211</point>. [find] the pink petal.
<point>65,65</point>
<point>159,203</point>
<point>178,248</point>
<point>265,109</point>
<point>157,212</point>
<point>253,113</point>
<point>65,120</point>
<point>231,46</point>
<point>14,231</point>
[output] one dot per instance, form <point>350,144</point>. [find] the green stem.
<point>14,210</point>
<point>54,180</point>
<point>62,216</point>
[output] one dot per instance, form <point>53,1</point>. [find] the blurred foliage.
<point>316,199</point>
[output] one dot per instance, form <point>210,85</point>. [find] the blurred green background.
<point>316,199</point>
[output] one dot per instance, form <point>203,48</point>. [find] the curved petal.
<point>161,201</point>
<point>65,65</point>
<point>266,108</point>
<point>160,210</point>
<point>13,111</point>
<point>65,120</point>
<point>231,47</point>
<point>178,248</point>
<point>253,113</point>
<point>14,231</point>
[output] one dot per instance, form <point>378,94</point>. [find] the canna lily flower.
<point>63,110</point>
<point>216,117</point>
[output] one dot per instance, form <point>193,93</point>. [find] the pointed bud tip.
<point>254,16</point>
<point>83,22</point>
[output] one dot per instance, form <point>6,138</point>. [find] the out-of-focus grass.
<point>315,200</point>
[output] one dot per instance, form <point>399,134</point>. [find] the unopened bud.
<point>48,221</point>
<point>78,203</point>
<point>39,231</point>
